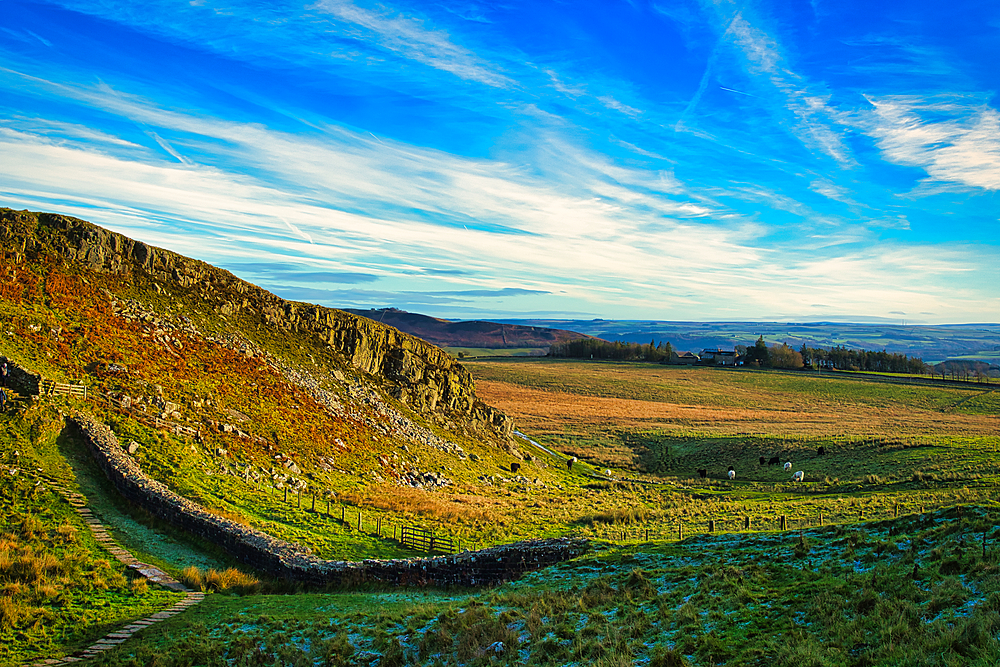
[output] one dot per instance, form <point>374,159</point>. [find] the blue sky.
<point>666,160</point>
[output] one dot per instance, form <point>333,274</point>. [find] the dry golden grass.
<point>451,508</point>
<point>551,411</point>
<point>227,514</point>
<point>230,580</point>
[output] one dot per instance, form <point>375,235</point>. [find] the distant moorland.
<point>932,343</point>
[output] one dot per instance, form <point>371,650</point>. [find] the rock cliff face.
<point>415,372</point>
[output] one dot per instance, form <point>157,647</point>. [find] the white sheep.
<point>732,474</point>
<point>788,466</point>
<point>607,472</point>
<point>798,476</point>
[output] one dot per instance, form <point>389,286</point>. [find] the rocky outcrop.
<point>288,561</point>
<point>416,373</point>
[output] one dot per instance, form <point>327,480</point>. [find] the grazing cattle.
<point>763,461</point>
<point>820,451</point>
<point>514,467</point>
<point>788,466</point>
<point>798,476</point>
<point>570,462</point>
<point>732,474</point>
<point>773,461</point>
<point>702,473</point>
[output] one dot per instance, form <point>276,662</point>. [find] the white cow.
<point>788,466</point>
<point>732,474</point>
<point>798,476</point>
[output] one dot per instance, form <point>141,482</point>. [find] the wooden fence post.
<point>896,512</point>
<point>314,501</point>
<point>711,525</point>
<point>680,531</point>
<point>328,507</point>
<point>285,489</point>
<point>784,522</point>
<point>359,518</point>
<point>746,523</point>
<point>821,518</point>
<point>298,500</point>
<point>342,515</point>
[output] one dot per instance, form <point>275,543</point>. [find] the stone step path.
<point>154,574</point>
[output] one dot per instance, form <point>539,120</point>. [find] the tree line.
<point>758,355</point>
<point>596,348</point>
<point>845,359</point>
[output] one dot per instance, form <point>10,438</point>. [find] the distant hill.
<point>932,343</point>
<point>476,334</point>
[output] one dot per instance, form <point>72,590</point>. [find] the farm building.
<point>718,357</point>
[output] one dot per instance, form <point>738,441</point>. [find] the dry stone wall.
<point>291,562</point>
<point>21,380</point>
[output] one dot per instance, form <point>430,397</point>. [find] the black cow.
<point>702,473</point>
<point>820,451</point>
<point>570,462</point>
<point>763,461</point>
<point>514,467</point>
<point>774,460</point>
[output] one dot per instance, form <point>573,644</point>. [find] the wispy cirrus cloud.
<point>408,36</point>
<point>953,138</point>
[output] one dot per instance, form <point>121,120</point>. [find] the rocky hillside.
<point>220,387</point>
<point>416,373</point>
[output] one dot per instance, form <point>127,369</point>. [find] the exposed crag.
<point>418,374</point>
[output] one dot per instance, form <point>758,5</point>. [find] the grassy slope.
<point>59,589</point>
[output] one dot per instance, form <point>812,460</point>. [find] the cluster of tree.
<point>966,369</point>
<point>775,356</point>
<point>595,348</point>
<point>845,359</point>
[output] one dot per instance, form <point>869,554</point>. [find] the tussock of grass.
<point>227,581</point>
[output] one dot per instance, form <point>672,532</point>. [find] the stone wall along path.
<point>150,572</point>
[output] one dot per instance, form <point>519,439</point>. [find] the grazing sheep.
<point>514,467</point>
<point>607,472</point>
<point>763,461</point>
<point>773,461</point>
<point>820,451</point>
<point>702,473</point>
<point>798,476</point>
<point>788,466</point>
<point>732,474</point>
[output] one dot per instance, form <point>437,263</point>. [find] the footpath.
<point>150,572</point>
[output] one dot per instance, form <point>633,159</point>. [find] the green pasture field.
<point>918,590</point>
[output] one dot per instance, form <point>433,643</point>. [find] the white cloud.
<point>614,104</point>
<point>953,139</point>
<point>607,237</point>
<point>408,37</point>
